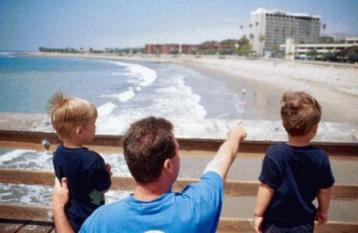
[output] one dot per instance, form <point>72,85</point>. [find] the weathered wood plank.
<point>228,225</point>
<point>25,212</point>
<point>337,227</point>
<point>38,227</point>
<point>9,226</point>
<point>232,187</point>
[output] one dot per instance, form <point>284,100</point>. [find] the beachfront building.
<point>305,51</point>
<point>162,48</point>
<point>271,28</point>
<point>351,40</point>
<point>189,48</point>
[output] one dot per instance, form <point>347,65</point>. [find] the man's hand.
<point>60,197</point>
<point>237,132</point>
<point>227,152</point>
<point>60,194</point>
<point>257,224</point>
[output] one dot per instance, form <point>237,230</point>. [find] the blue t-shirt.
<point>196,209</point>
<point>296,174</point>
<point>87,177</point>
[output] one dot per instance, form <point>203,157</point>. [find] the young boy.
<point>88,176</point>
<point>294,173</point>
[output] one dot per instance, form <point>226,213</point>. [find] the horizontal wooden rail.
<point>227,225</point>
<point>232,187</point>
<point>11,137</point>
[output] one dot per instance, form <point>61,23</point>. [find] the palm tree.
<point>324,26</point>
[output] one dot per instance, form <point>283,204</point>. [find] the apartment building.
<point>271,28</point>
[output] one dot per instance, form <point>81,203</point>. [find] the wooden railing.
<point>235,188</point>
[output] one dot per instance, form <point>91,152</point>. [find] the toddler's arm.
<point>264,195</point>
<point>108,168</point>
<point>323,197</point>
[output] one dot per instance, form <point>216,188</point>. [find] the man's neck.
<point>151,191</point>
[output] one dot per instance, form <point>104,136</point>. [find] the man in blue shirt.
<point>152,155</point>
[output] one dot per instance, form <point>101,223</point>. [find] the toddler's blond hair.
<point>67,113</point>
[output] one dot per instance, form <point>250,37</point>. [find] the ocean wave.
<point>144,76</point>
<point>170,98</point>
<point>123,96</point>
<point>180,100</point>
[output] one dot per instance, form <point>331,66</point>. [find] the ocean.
<point>117,88</point>
<point>122,92</point>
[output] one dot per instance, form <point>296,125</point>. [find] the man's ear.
<point>168,166</point>
<point>78,130</point>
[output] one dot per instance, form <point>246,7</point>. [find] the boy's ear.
<point>315,128</point>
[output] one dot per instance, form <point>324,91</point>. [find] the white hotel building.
<point>271,28</point>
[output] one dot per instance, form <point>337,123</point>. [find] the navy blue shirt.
<point>296,174</point>
<point>87,179</point>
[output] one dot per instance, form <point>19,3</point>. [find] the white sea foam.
<point>142,75</point>
<point>106,109</point>
<point>179,100</point>
<point>123,96</point>
<point>171,99</point>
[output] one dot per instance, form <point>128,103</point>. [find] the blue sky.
<point>28,24</point>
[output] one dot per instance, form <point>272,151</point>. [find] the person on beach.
<point>152,155</point>
<point>88,176</point>
<point>294,173</point>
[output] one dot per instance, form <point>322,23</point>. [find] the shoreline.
<point>263,81</point>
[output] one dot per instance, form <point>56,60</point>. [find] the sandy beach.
<point>262,81</point>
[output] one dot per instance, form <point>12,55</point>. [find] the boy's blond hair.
<point>67,113</point>
<point>299,112</point>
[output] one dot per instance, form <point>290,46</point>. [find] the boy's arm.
<point>60,197</point>
<point>323,197</point>
<point>264,196</point>
<point>227,152</point>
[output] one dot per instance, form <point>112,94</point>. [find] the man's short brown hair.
<point>299,112</point>
<point>67,113</point>
<point>147,144</point>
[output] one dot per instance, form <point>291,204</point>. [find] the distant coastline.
<point>334,85</point>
